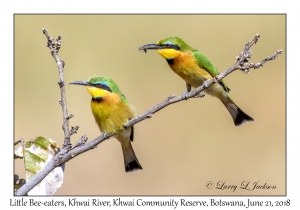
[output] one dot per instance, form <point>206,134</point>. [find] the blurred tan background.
<point>184,145</point>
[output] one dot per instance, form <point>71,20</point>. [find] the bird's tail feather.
<point>239,116</point>
<point>130,160</point>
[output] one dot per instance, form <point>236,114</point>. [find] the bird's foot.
<point>185,95</point>
<point>106,135</point>
<point>201,94</point>
<point>205,84</point>
<point>208,83</point>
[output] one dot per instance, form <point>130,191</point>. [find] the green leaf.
<point>37,154</point>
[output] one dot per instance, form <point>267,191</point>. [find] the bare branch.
<point>17,142</point>
<point>81,142</point>
<point>74,130</point>
<point>54,46</point>
<point>260,64</point>
<point>71,115</point>
<point>67,154</point>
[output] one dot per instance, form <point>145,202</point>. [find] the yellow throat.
<point>168,53</point>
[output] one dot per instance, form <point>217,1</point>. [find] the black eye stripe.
<point>172,46</point>
<point>97,99</point>
<point>102,86</point>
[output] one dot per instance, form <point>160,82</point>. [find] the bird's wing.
<point>204,63</point>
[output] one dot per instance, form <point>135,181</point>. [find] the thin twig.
<point>17,142</point>
<point>260,64</point>
<point>80,147</point>
<point>81,142</point>
<point>54,46</point>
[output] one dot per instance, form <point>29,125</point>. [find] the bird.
<point>111,111</point>
<point>194,68</point>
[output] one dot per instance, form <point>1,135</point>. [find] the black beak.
<point>150,47</point>
<point>84,83</point>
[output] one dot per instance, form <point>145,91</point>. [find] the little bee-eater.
<point>111,111</point>
<point>194,68</point>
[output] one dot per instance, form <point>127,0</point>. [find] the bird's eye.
<point>99,85</point>
<point>168,45</point>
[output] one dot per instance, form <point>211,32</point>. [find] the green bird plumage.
<point>193,67</point>
<point>111,111</point>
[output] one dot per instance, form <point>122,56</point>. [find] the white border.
<point>8,8</point>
